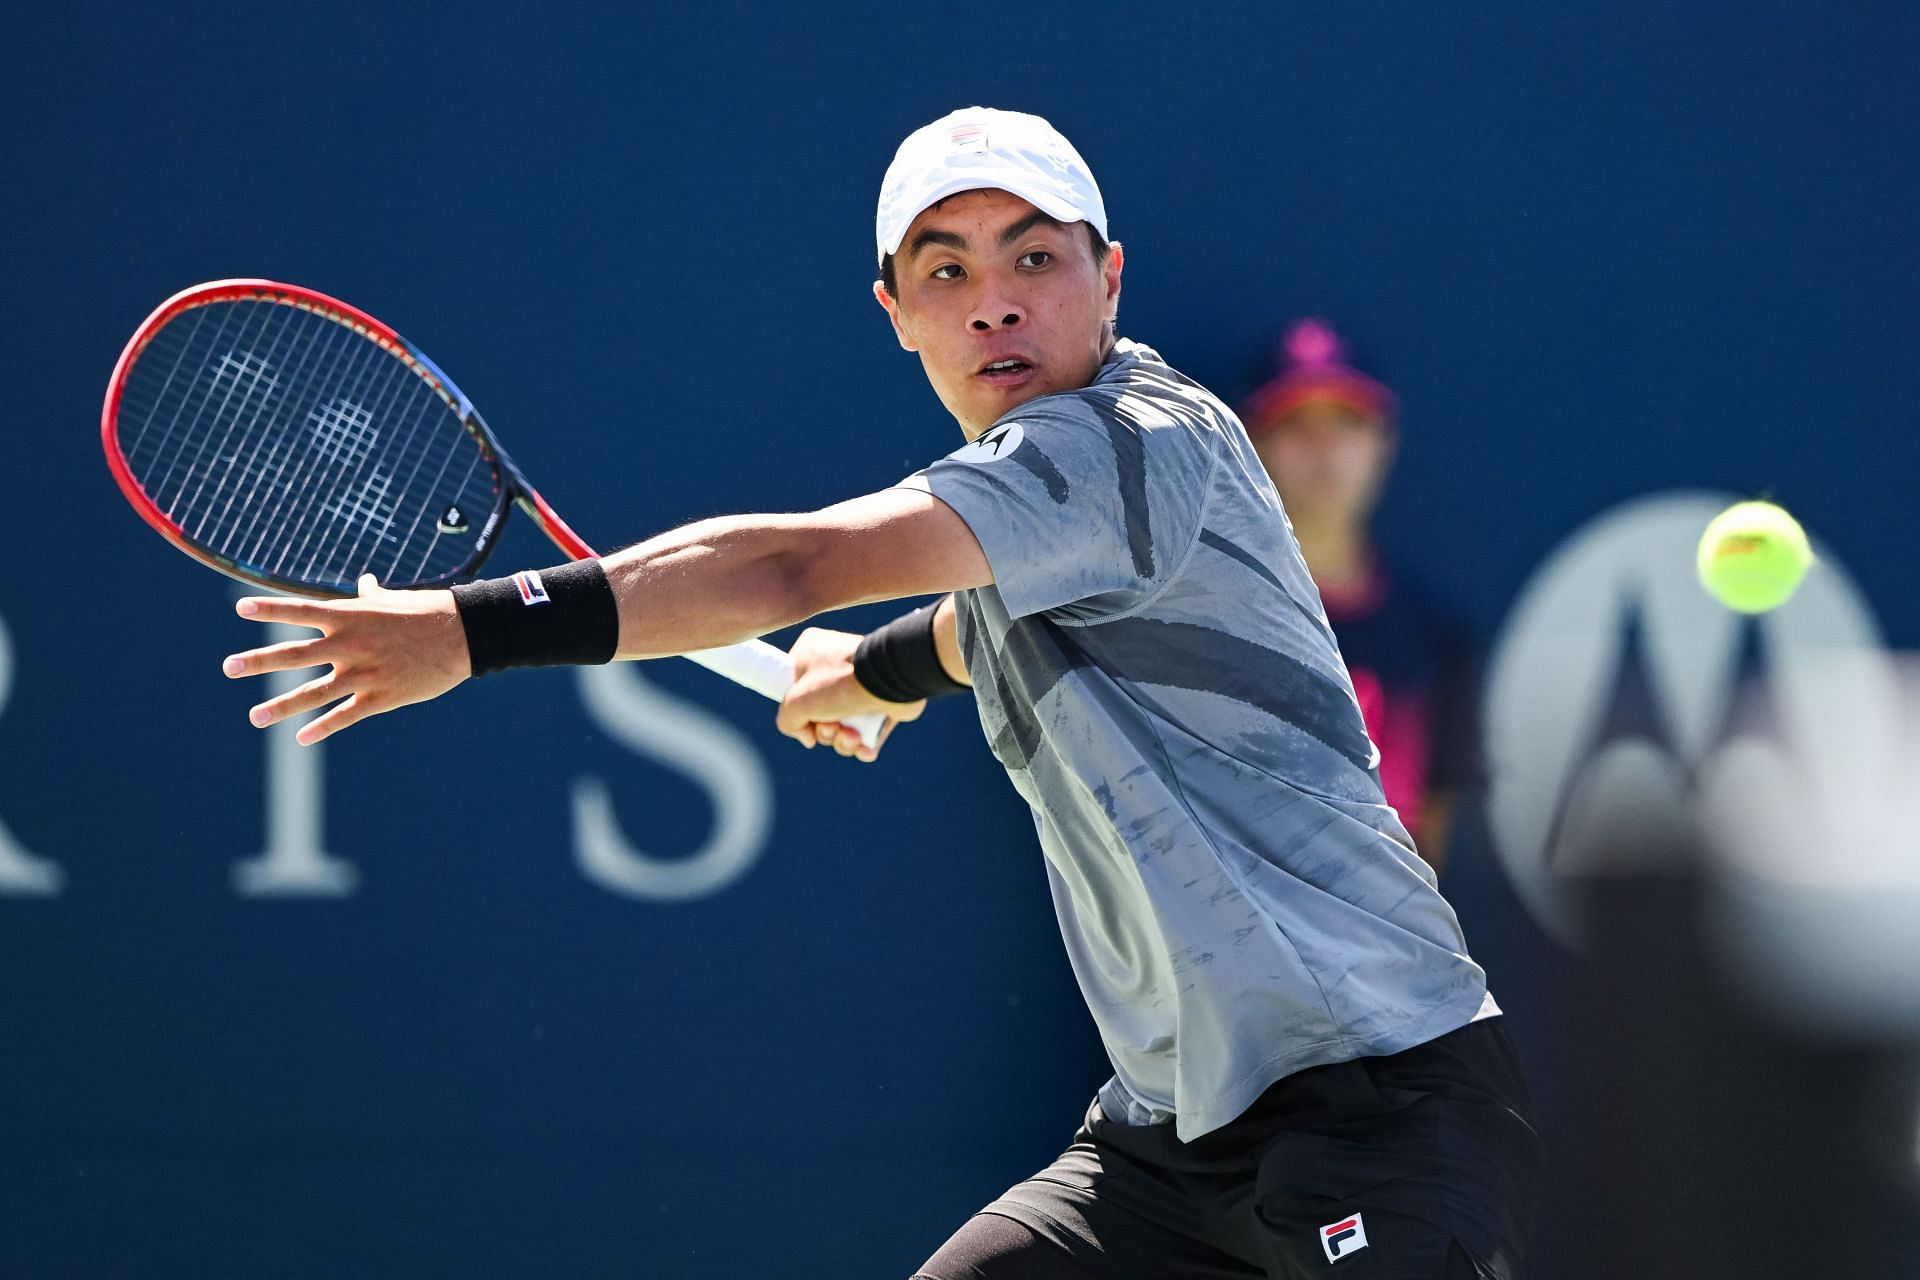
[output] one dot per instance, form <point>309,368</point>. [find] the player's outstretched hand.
<point>387,649</point>
<point>825,695</point>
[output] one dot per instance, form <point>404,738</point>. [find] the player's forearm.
<point>714,582</point>
<point>946,642</point>
<point>717,582</point>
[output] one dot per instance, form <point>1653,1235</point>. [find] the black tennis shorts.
<point>1416,1166</point>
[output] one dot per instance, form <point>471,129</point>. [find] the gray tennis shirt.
<point>1153,667</point>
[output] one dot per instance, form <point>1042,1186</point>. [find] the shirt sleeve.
<point>1084,504</point>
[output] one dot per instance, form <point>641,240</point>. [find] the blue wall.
<point>1599,254</point>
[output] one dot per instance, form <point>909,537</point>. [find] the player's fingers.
<point>314,693</point>
<point>347,712</point>
<point>789,721</point>
<point>289,655</point>
<point>301,613</point>
<point>868,752</point>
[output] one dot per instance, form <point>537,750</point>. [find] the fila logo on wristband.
<point>1343,1238</point>
<point>532,590</point>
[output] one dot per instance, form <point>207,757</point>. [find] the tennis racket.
<point>294,442</point>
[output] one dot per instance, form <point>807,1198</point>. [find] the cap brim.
<point>1047,202</point>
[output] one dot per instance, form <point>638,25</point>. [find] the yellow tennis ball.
<point>1753,556</point>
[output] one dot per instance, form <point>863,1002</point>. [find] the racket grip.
<point>768,671</point>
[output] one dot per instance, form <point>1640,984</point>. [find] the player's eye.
<point>947,271</point>
<point>1035,258</point>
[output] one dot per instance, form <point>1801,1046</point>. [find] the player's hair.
<point>889,281</point>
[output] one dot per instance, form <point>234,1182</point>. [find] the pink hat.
<point>1313,366</point>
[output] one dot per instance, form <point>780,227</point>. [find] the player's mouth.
<point>1008,371</point>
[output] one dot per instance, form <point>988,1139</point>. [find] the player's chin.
<point>995,401</point>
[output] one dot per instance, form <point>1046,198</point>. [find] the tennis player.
<point>1310,1077</point>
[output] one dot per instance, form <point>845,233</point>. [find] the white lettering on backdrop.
<point>691,741</point>
<point>21,873</point>
<point>680,735</point>
<point>295,863</point>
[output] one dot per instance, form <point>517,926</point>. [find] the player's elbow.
<point>883,546</point>
<point>816,581</point>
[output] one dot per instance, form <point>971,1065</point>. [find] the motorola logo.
<point>994,445</point>
<point>1624,707</point>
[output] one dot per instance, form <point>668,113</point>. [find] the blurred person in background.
<point>1326,432</point>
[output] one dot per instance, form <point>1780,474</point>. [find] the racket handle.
<point>768,671</point>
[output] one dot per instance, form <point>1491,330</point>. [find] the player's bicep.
<point>897,542</point>
<point>1079,509</point>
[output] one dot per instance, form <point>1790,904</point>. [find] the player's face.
<point>1327,459</point>
<point>1002,304</point>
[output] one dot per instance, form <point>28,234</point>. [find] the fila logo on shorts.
<point>532,590</point>
<point>1342,1238</point>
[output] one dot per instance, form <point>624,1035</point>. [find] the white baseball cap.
<point>979,147</point>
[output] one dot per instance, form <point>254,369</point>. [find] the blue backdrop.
<point>1598,253</point>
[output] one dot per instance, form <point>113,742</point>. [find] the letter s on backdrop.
<point>693,742</point>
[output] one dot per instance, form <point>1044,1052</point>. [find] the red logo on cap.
<point>968,137</point>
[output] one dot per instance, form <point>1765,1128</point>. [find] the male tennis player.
<point>1309,1075</point>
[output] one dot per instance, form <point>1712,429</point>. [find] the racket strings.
<point>259,356</point>
<point>175,428</point>
<point>429,541</point>
<point>343,458</point>
<point>367,520</point>
<point>258,477</point>
<point>247,381</point>
<point>297,448</point>
<point>286,465</point>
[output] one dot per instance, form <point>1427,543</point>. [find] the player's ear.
<point>892,307</point>
<point>1111,273</point>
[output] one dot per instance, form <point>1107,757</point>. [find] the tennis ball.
<point>1753,556</point>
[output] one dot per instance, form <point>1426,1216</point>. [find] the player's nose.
<point>1007,319</point>
<point>995,310</point>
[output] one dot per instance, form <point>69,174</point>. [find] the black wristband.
<point>900,662</point>
<point>551,618</point>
